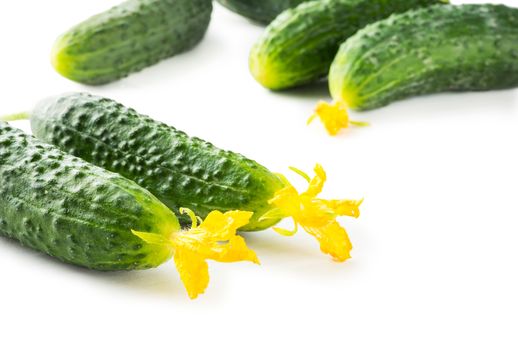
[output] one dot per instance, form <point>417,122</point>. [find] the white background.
<point>435,263</point>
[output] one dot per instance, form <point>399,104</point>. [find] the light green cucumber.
<point>129,37</point>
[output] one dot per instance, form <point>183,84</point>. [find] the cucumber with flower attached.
<point>85,215</point>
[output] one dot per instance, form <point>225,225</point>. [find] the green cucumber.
<point>179,170</point>
<point>440,48</point>
<point>263,11</point>
<point>77,212</point>
<point>298,47</point>
<point>129,37</point>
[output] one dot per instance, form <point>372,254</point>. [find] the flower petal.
<point>233,251</point>
<point>346,207</point>
<point>333,116</point>
<point>193,270</point>
<point>333,240</point>
<point>287,200</point>
<point>317,183</point>
<point>216,238</point>
<point>222,226</point>
<point>317,216</point>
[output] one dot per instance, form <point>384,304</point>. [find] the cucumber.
<point>263,11</point>
<point>298,47</point>
<point>129,37</point>
<point>440,48</point>
<point>179,170</point>
<point>77,212</point>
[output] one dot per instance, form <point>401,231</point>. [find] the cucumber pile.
<point>183,172</point>
<point>88,216</point>
<point>102,186</point>
<point>375,52</point>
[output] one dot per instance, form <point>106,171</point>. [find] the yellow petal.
<point>334,117</point>
<point>215,238</point>
<point>287,200</point>
<point>317,183</point>
<point>223,226</point>
<point>333,240</point>
<point>346,207</point>
<point>317,216</point>
<point>193,270</point>
<point>235,250</point>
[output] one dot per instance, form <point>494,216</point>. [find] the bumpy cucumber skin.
<point>74,211</point>
<point>129,37</point>
<point>441,48</point>
<point>179,170</point>
<point>262,11</point>
<point>298,47</point>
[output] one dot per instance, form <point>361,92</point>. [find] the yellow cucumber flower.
<point>215,238</point>
<point>334,117</point>
<point>316,216</point>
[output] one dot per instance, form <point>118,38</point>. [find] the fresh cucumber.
<point>263,11</point>
<point>129,37</point>
<point>298,46</point>
<point>179,170</point>
<point>440,48</point>
<point>77,212</point>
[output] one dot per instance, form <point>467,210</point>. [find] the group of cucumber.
<point>102,186</point>
<point>373,52</point>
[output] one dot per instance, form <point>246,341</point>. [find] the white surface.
<point>435,263</point>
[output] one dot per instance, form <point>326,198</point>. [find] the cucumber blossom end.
<point>214,238</point>
<point>315,215</point>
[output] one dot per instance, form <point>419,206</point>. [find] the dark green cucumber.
<point>263,11</point>
<point>179,170</point>
<point>129,37</point>
<point>441,48</point>
<point>77,212</point>
<point>298,47</point>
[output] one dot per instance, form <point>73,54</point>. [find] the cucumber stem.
<point>14,117</point>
